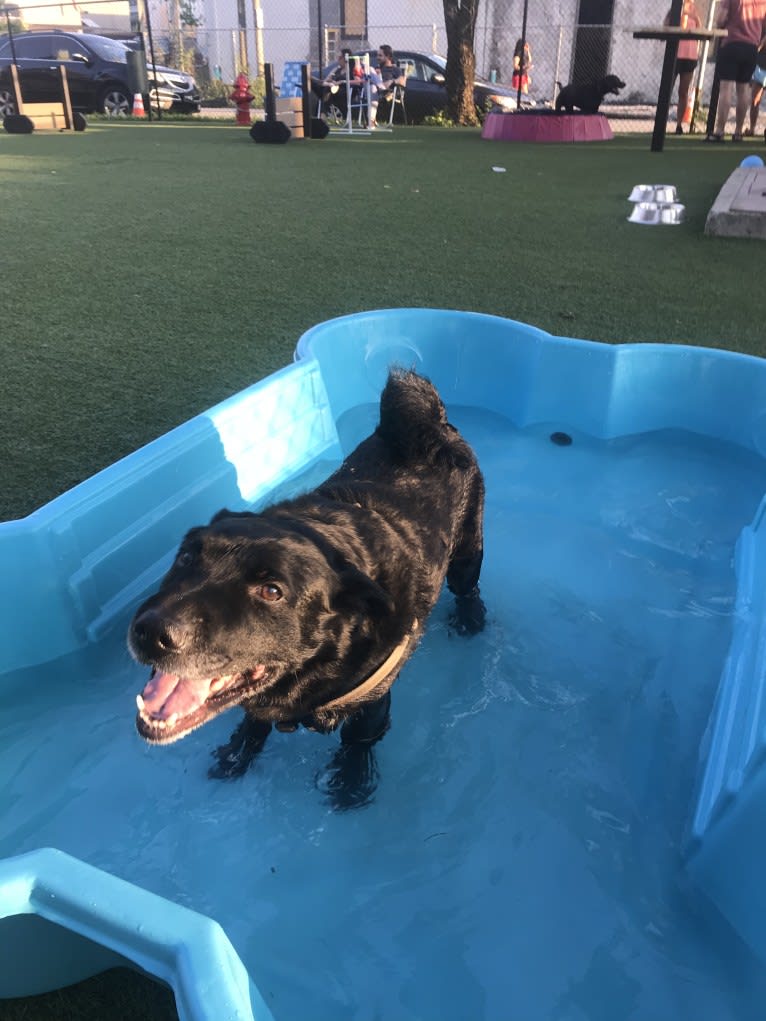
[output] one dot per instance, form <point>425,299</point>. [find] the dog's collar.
<point>386,668</point>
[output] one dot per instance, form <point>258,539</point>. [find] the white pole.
<point>706,47</point>
<point>557,71</point>
<point>258,24</point>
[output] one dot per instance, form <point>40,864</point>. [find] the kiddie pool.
<point>571,816</point>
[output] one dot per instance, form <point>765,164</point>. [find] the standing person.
<point>686,60</point>
<point>745,24</point>
<point>522,64</point>
<point>383,79</point>
<point>756,88</point>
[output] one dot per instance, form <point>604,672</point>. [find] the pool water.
<point>523,855</point>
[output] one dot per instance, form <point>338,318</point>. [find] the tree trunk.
<point>460,23</point>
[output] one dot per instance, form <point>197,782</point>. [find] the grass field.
<point>150,270</point>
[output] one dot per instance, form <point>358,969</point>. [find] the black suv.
<point>97,72</point>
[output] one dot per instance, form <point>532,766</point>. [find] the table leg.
<point>713,108</point>
<point>663,100</point>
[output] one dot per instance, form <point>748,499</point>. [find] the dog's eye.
<point>268,592</point>
<point>184,558</point>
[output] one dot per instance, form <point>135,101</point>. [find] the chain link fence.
<point>569,40</point>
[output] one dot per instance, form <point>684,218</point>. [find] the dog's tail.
<point>413,419</point>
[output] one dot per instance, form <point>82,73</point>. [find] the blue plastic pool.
<point>570,822</point>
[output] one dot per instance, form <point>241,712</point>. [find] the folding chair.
<point>396,98</point>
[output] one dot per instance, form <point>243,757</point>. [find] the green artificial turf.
<point>116,995</point>
<point>151,270</point>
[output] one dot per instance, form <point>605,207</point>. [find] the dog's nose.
<point>153,632</point>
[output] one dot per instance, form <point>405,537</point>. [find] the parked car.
<point>425,93</point>
<point>186,98</point>
<point>97,72</point>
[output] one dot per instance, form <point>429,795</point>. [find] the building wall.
<point>65,16</point>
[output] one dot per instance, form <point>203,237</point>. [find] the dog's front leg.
<point>351,779</point>
<point>234,758</point>
<point>369,723</point>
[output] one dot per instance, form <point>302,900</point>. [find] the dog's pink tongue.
<point>167,694</point>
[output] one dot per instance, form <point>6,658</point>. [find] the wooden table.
<point>671,35</point>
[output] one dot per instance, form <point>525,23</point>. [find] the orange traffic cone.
<point>138,105</point>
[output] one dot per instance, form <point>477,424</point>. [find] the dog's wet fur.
<point>588,96</point>
<point>295,607</point>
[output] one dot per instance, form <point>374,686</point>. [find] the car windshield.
<point>437,58</point>
<point>108,49</point>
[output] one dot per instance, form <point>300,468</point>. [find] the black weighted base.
<point>319,128</point>
<point>18,124</point>
<point>274,132</point>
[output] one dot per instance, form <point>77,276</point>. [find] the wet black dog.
<point>305,613</point>
<point>588,96</point>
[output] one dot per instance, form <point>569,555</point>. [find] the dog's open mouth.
<point>170,706</point>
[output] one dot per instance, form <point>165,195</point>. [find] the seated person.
<point>383,80</point>
<point>337,78</point>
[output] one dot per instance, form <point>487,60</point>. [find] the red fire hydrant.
<point>242,97</point>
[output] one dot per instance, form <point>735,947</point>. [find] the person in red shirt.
<point>745,24</point>
<point>686,59</point>
<point>522,64</point>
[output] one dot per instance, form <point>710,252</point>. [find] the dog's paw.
<point>469,615</point>
<point>351,778</point>
<point>228,765</point>
<point>234,758</point>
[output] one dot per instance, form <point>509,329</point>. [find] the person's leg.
<point>724,105</point>
<point>743,105</point>
<point>684,83</point>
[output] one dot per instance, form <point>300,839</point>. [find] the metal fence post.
<point>557,67</point>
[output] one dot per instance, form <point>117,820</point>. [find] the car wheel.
<point>116,102</point>
<point>7,103</point>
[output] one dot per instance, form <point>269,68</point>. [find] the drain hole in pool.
<point>561,439</point>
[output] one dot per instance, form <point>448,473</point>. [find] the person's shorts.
<point>759,75</point>
<point>736,62</point>
<point>685,66</point>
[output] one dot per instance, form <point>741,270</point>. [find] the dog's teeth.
<point>218,683</point>
<point>172,720</point>
<point>140,703</point>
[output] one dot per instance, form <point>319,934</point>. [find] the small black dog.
<point>305,613</point>
<point>588,96</point>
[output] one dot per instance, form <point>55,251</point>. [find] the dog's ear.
<point>358,592</point>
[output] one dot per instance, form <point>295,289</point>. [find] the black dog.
<point>305,613</point>
<point>588,96</point>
